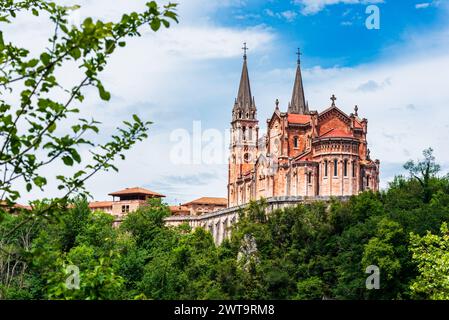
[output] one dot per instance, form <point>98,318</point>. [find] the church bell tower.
<point>244,137</point>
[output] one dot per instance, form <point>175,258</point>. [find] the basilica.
<point>304,152</point>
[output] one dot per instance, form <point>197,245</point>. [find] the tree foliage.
<point>311,251</point>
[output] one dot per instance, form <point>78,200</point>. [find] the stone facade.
<point>219,223</point>
<point>304,153</point>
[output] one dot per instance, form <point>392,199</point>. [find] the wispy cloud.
<point>310,7</point>
<point>287,15</point>
<point>425,5</point>
<point>372,85</point>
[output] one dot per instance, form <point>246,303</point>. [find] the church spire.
<point>298,103</point>
<point>245,107</point>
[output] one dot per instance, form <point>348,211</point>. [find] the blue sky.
<point>336,34</point>
<point>397,75</point>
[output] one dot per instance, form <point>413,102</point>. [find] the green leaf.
<point>40,181</point>
<point>79,174</point>
<point>45,58</point>
<point>136,118</point>
<point>68,161</point>
<point>104,95</point>
<point>32,63</point>
<point>75,155</point>
<point>155,24</point>
<point>76,128</point>
<point>76,53</point>
<point>87,22</point>
<point>52,127</point>
<point>2,43</point>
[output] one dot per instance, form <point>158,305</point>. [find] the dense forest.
<point>311,251</point>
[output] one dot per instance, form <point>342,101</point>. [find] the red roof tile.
<point>179,210</point>
<point>100,204</point>
<point>337,133</point>
<point>136,190</point>
<point>209,200</point>
<point>298,118</point>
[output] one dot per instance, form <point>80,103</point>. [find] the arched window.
<point>295,142</point>
<point>309,178</point>
<point>326,166</point>
<point>240,114</point>
<point>367,180</point>
<point>335,167</point>
<point>246,157</point>
<point>345,168</point>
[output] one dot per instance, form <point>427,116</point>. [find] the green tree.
<point>423,171</point>
<point>431,253</point>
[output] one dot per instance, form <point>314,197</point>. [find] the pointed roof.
<point>136,190</point>
<point>244,97</point>
<point>298,104</point>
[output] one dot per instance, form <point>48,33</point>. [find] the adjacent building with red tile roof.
<point>205,205</point>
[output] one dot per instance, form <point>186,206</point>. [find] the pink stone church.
<point>304,153</point>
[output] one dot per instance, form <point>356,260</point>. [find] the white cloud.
<point>422,5</point>
<point>310,7</point>
<point>425,5</point>
<point>287,15</point>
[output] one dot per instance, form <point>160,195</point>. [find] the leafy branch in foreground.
<point>31,132</point>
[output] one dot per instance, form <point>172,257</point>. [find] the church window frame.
<point>335,168</point>
<point>345,168</point>
<point>309,177</point>
<point>326,168</point>
<point>296,142</point>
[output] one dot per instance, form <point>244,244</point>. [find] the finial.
<point>298,53</point>
<point>356,110</point>
<point>277,103</point>
<point>245,48</point>
<point>333,98</point>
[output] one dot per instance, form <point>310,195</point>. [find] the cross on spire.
<point>245,48</point>
<point>298,53</point>
<point>333,98</point>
